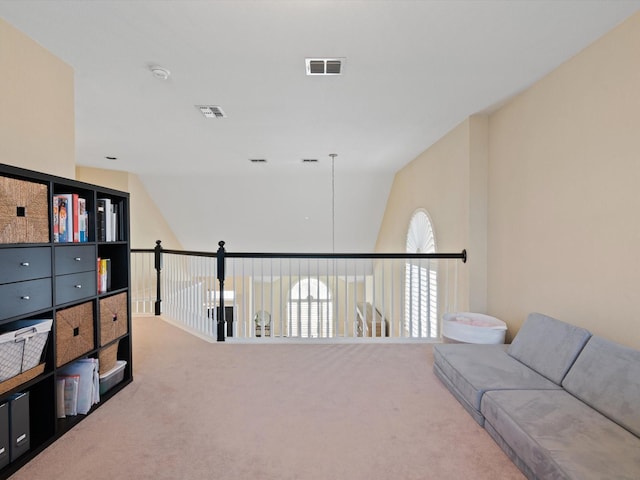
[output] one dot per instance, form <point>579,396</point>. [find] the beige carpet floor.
<point>222,411</point>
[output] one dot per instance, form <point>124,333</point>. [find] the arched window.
<point>421,280</point>
<point>310,310</point>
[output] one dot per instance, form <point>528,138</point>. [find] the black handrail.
<point>221,254</point>
<point>462,255</point>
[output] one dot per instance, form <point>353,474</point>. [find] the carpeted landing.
<point>279,411</point>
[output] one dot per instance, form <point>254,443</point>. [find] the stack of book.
<point>104,275</point>
<point>70,218</point>
<point>107,218</point>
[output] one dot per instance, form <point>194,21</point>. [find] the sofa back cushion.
<point>606,376</point>
<point>548,346</point>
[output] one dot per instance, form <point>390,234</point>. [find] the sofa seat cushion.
<point>471,370</point>
<point>548,346</point>
<point>606,376</point>
<point>556,436</point>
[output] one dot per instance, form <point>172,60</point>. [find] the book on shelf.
<point>65,217</point>
<point>60,404</point>
<point>104,275</point>
<point>87,393</point>
<point>69,385</point>
<point>56,234</point>
<point>70,218</point>
<point>114,222</point>
<point>108,274</point>
<point>109,218</point>
<point>83,216</point>
<point>101,220</point>
<point>120,219</point>
<point>75,211</point>
<point>108,222</point>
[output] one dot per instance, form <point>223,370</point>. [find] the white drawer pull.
<point>78,286</point>
<point>25,297</point>
<point>77,259</point>
<point>24,264</point>
<point>21,438</point>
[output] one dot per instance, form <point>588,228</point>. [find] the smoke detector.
<point>324,66</point>
<point>211,111</point>
<point>159,72</point>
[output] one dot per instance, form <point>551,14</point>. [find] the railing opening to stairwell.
<point>298,296</point>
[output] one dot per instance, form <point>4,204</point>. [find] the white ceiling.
<point>414,70</point>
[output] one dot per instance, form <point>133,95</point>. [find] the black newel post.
<point>220,312</point>
<point>158,265</point>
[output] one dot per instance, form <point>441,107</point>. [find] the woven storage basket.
<point>108,357</point>
<point>113,317</point>
<point>24,211</point>
<point>20,379</point>
<point>74,332</point>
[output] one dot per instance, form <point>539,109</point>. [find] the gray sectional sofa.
<point>561,402</point>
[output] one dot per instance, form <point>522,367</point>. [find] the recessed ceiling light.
<point>159,72</point>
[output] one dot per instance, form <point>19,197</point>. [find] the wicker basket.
<point>113,317</point>
<point>74,332</point>
<point>20,379</point>
<point>108,357</point>
<point>24,211</point>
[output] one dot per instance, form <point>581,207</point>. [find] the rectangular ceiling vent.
<point>211,111</point>
<point>324,66</point>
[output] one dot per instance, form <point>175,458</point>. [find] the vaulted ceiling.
<point>412,70</point>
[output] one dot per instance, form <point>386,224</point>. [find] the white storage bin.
<point>113,377</point>
<point>467,327</point>
<point>21,346</point>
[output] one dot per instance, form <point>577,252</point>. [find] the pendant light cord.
<point>333,202</point>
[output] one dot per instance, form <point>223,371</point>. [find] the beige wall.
<point>564,201</point>
<point>449,181</point>
<point>544,194</point>
<point>437,182</point>
<point>36,106</point>
<point>147,222</point>
<point>478,212</point>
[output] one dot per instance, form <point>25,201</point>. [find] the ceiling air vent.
<point>309,160</point>
<point>258,160</point>
<point>324,66</point>
<point>211,111</point>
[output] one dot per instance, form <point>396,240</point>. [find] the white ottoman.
<point>467,327</point>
